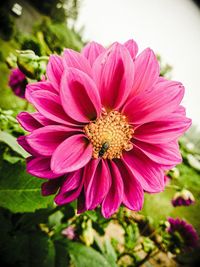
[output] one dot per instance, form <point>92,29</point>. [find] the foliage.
<point>7,23</point>
<point>58,35</point>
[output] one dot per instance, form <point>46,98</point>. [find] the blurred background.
<point>172,29</point>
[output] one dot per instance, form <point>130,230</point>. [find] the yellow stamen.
<point>109,135</point>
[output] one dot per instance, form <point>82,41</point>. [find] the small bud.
<point>183,198</point>
<point>32,65</point>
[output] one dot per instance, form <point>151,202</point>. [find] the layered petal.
<point>148,173</point>
<point>49,105</point>
<point>133,196</point>
<point>97,182</point>
<point>114,196</point>
<point>40,167</point>
<point>54,71</point>
<point>72,154</point>
<point>23,142</point>
<point>79,96</point>
<point>33,87</point>
<point>113,72</point>
<point>154,104</point>
<point>164,154</point>
<point>132,47</point>
<point>32,121</point>
<point>76,60</point>
<point>92,50</point>
<point>28,122</point>
<point>70,188</point>
<point>45,140</point>
<point>163,131</point>
<point>147,71</point>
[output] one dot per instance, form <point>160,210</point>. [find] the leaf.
<point>81,256</point>
<point>131,235</point>
<point>110,253</point>
<point>32,249</point>
<point>12,143</point>
<point>19,191</point>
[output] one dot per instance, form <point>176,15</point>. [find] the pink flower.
<point>184,233</point>
<point>106,127</point>
<point>69,232</point>
<point>18,82</point>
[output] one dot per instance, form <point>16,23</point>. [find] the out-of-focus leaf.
<point>12,143</point>
<point>32,249</point>
<point>131,235</point>
<point>80,255</point>
<point>110,253</point>
<point>19,191</point>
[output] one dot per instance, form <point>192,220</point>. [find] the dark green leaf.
<point>19,191</point>
<point>80,255</point>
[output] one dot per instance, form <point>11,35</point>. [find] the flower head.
<point>106,127</point>
<point>184,233</point>
<point>18,82</point>
<point>183,198</point>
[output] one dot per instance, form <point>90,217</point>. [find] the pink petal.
<point>45,140</point>
<point>33,87</point>
<point>147,71</point>
<point>114,196</point>
<point>133,196</point>
<point>32,121</point>
<point>132,47</point>
<point>113,72</point>
<point>79,96</point>
<point>74,153</point>
<point>22,142</point>
<point>76,60</point>
<point>51,187</point>
<point>40,167</point>
<point>49,105</point>
<point>147,172</point>
<point>54,71</point>
<point>70,188</point>
<point>28,122</point>
<point>97,182</point>
<point>92,50</point>
<point>163,131</point>
<point>165,154</point>
<point>155,104</point>
<point>42,120</point>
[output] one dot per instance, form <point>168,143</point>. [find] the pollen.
<point>109,135</point>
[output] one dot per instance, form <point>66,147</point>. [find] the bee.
<point>103,149</point>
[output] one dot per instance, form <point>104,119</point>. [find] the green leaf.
<point>32,249</point>
<point>110,253</point>
<point>131,235</point>
<point>19,191</point>
<point>12,143</point>
<point>81,256</point>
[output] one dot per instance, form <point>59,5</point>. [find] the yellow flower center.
<point>109,135</point>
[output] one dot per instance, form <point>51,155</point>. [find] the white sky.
<point>170,27</point>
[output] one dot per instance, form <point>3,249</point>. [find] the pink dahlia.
<point>106,127</point>
<point>18,82</point>
<point>183,233</point>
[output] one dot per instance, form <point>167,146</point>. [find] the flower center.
<point>109,135</point>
